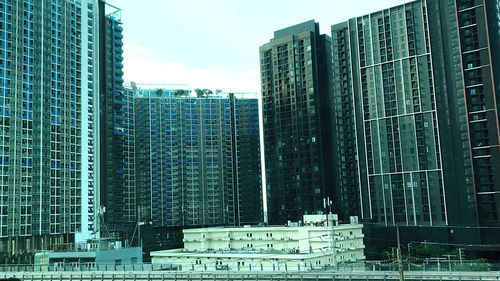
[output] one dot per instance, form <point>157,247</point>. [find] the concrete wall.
<point>303,239</point>
<point>235,264</point>
<point>124,256</point>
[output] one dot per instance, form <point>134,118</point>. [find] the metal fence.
<point>96,267</point>
<point>367,266</point>
<point>250,276</point>
<point>432,265</point>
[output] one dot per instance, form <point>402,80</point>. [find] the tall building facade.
<point>467,70</point>
<point>246,160</point>
<point>47,87</point>
<point>196,158</point>
<point>116,167</point>
<point>416,117</point>
<point>295,79</point>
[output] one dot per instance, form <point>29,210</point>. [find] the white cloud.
<point>136,49</point>
<point>144,70</point>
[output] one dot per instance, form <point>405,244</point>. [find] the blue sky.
<point>214,44</point>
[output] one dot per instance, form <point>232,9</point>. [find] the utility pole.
<point>449,261</point>
<point>400,261</point>
<point>460,253</point>
<point>327,205</point>
<point>409,256</point>
<point>333,242</point>
<point>438,262</point>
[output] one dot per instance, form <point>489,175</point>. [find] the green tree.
<point>202,93</point>
<point>427,251</point>
<point>181,93</point>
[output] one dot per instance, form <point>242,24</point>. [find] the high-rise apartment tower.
<point>197,159</point>
<point>48,88</point>
<point>295,78</point>
<point>416,119</point>
<point>116,167</point>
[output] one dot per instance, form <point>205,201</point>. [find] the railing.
<point>253,276</point>
<point>87,267</point>
<point>434,265</point>
<point>431,267</point>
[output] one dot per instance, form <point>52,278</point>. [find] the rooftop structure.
<point>89,255</point>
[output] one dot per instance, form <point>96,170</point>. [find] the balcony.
<point>119,56</point>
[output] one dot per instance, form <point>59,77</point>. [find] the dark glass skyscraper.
<point>295,79</point>
<point>47,88</point>
<point>197,159</point>
<point>464,49</point>
<point>416,118</point>
<point>383,76</point>
<point>116,166</point>
<point>246,161</point>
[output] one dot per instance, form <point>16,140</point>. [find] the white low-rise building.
<point>271,248</point>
